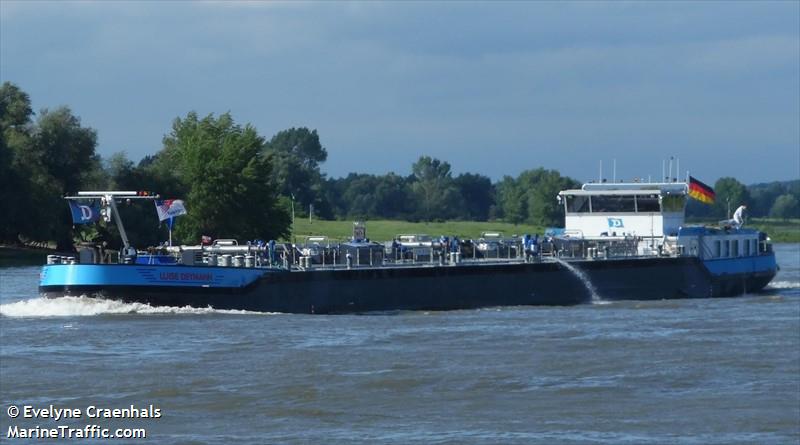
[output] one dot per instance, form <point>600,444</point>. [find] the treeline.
<point>432,193</point>
<point>238,184</point>
<point>779,200</point>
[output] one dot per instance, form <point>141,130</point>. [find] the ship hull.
<point>350,290</point>
<point>368,289</point>
<point>682,277</point>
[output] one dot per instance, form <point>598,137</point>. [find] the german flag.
<point>700,191</point>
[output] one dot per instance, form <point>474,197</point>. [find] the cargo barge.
<point>620,241</point>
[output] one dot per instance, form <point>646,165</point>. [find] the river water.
<point>708,371</point>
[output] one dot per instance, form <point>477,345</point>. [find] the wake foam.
<point>784,284</point>
<point>86,306</point>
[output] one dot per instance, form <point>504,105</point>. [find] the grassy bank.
<point>384,230</point>
<point>780,230</point>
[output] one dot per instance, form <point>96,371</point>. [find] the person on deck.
<point>738,218</point>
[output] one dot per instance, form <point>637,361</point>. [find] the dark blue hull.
<point>403,288</point>
<point>671,278</point>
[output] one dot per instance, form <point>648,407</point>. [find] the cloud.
<point>469,82</point>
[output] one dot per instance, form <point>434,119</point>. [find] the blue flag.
<point>84,214</point>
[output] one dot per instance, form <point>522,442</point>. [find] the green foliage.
<point>15,117</point>
<point>434,189</point>
<point>542,189</point>
<point>360,196</point>
<point>531,197</point>
<point>39,162</point>
<point>729,193</point>
<point>763,196</point>
<point>64,148</point>
<point>295,155</point>
<point>15,107</point>
<point>66,152</point>
<point>785,207</point>
<point>511,205</point>
<point>301,144</point>
<point>230,193</point>
<point>477,195</point>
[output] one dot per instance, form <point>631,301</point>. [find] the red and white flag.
<point>169,208</point>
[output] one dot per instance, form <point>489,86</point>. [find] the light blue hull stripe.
<point>141,275</point>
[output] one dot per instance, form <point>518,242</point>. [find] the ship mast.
<point>108,203</point>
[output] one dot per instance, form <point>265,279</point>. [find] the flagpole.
<point>170,231</point>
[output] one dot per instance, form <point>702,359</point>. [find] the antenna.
<point>663,168</point>
<point>669,178</point>
<point>614,174</point>
<point>677,169</point>
<point>600,178</point>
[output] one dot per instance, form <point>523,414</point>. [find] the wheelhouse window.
<point>717,249</point>
<point>577,204</point>
<point>747,247</point>
<point>647,203</point>
<point>613,204</point>
<point>673,203</point>
<point>735,248</point>
<point>727,251</point>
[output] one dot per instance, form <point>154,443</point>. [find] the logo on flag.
<point>170,208</point>
<point>84,214</point>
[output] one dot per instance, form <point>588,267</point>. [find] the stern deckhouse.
<point>648,211</point>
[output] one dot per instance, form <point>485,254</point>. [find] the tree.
<point>66,151</point>
<point>729,191</point>
<point>541,187</point>
<point>785,207</point>
<point>393,197</point>
<point>230,192</point>
<point>15,119</point>
<point>293,179</point>
<point>532,197</point>
<point>434,189</point>
<point>15,107</point>
<point>295,155</point>
<point>763,196</point>
<point>477,194</point>
<point>370,196</point>
<point>300,143</point>
<point>64,147</point>
<point>510,205</point>
<point>39,162</point>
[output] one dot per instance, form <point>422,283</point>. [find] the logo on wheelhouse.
<point>615,222</point>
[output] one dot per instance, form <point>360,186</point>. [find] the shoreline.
<point>26,256</point>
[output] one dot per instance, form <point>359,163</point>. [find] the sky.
<point>494,88</point>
